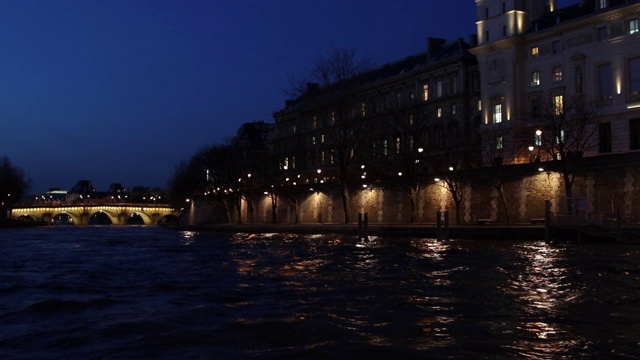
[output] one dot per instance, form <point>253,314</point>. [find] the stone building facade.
<point>472,115</point>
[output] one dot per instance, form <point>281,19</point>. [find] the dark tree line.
<point>14,183</point>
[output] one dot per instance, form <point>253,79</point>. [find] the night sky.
<point>122,90</point>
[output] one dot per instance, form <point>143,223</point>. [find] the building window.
<point>412,96</point>
<point>534,106</point>
<point>535,78</point>
<point>425,91</point>
<point>479,105</point>
<point>557,73</point>
<point>439,112</point>
<point>604,137</point>
<point>504,30</point>
<point>603,33</point>
<point>634,76</point>
<point>633,26</point>
<point>486,35</point>
<point>558,104</point>
<point>504,7</point>
<point>363,109</point>
<point>537,138</point>
<point>497,113</point>
<point>439,88</point>
<point>486,13</point>
<point>556,47</point>
<point>399,99</point>
<point>453,109</point>
<point>634,134</point>
<point>453,84</point>
<point>499,143</point>
<point>398,144</point>
<point>535,52</point>
<point>605,83</point>
<point>313,140</point>
<point>602,4</point>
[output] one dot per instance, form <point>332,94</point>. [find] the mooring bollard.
<point>363,225</point>
<point>442,225</point>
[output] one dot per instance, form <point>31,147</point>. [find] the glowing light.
<point>531,148</point>
<point>540,169</point>
<point>400,173</point>
<point>538,132</point>
<point>436,179</point>
<point>420,149</point>
<point>450,168</point>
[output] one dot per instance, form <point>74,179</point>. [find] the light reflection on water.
<point>148,293</point>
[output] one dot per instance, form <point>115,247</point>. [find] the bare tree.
<point>565,132</point>
<point>339,64</point>
<point>347,140</point>
<point>449,155</point>
<point>401,165</point>
<point>496,139</point>
<point>14,184</point>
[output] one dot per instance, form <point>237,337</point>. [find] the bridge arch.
<point>119,214</point>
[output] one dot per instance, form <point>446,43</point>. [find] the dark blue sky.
<point>122,90</point>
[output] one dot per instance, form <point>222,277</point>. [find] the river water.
<point>151,293</point>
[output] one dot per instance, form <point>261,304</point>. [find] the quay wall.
<point>601,189</point>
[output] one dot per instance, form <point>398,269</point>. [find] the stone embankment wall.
<point>598,192</point>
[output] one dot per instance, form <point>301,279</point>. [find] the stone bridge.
<point>85,214</point>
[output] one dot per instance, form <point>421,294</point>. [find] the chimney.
<point>434,45</point>
<point>473,40</point>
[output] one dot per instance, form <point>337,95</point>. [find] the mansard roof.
<point>439,53</point>
<point>576,11</point>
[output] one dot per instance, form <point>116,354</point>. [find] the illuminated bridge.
<point>97,214</point>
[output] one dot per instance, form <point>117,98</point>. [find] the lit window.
<point>363,109</point>
<point>535,52</point>
<point>633,26</point>
<point>602,4</point>
<point>398,143</point>
<point>560,137</point>
<point>499,143</point>
<point>558,104</point>
<point>479,105</point>
<point>535,78</point>
<point>497,113</point>
<point>453,109</point>
<point>313,140</point>
<point>439,112</point>
<point>385,148</point>
<point>557,73</point>
<point>425,91</point>
<point>537,139</point>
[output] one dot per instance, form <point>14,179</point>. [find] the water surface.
<point>147,292</point>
